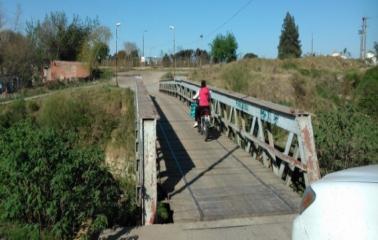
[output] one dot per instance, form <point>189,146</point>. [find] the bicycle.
<point>204,124</point>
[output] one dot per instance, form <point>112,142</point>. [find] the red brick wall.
<point>63,70</point>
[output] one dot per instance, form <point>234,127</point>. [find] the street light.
<point>117,25</point>
<point>174,50</point>
<point>143,57</point>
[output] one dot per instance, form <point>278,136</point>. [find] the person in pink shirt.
<point>204,97</point>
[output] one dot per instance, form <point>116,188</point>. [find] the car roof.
<point>368,174</point>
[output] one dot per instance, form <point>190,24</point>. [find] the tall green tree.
<point>289,45</point>
<point>223,48</point>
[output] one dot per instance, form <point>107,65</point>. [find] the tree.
<point>132,53</point>
<point>96,48</point>
<point>57,39</point>
<point>17,17</point>
<point>289,45</point>
<point>376,48</point>
<point>223,48</point>
<point>166,61</point>
<point>202,56</point>
<point>17,56</point>
<point>2,17</point>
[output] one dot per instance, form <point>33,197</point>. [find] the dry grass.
<point>311,83</point>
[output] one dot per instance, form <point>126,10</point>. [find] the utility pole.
<point>312,44</point>
<point>117,25</point>
<point>200,51</point>
<point>363,33</point>
<point>174,51</point>
<point>143,57</point>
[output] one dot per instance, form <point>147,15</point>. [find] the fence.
<point>281,137</point>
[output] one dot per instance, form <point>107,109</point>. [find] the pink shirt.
<point>204,97</point>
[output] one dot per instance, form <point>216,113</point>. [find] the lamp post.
<point>200,51</point>
<point>174,51</point>
<point>117,25</point>
<point>143,57</point>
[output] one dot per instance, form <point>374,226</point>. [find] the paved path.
<point>214,183</point>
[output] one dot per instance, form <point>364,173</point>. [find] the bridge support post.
<point>149,171</point>
<point>307,149</point>
<point>146,118</point>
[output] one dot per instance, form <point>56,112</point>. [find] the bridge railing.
<point>145,146</point>
<point>280,137</point>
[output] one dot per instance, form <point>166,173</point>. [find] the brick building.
<point>65,70</point>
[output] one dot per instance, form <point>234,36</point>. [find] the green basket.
<point>192,112</point>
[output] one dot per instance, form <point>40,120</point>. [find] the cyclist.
<point>203,95</point>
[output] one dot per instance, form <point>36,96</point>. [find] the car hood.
<point>358,174</point>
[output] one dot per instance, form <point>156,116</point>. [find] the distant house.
<point>65,70</point>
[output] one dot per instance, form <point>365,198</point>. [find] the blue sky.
<point>334,24</point>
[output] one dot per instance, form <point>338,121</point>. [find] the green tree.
<point>166,61</point>
<point>289,45</point>
<point>223,48</point>
<point>55,38</point>
<point>376,49</point>
<point>96,48</point>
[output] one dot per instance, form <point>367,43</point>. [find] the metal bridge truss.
<point>280,137</point>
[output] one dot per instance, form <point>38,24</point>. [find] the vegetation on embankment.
<point>103,76</point>
<point>341,93</point>
<point>66,164</point>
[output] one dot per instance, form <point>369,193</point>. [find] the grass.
<point>301,83</point>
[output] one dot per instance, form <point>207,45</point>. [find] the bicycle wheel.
<point>206,130</point>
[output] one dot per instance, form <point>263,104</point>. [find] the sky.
<point>256,24</point>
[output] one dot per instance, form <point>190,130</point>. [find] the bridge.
<point>257,153</point>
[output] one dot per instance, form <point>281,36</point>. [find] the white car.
<point>342,205</point>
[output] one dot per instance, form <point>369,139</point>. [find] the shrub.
<point>250,56</point>
<point>345,138</point>
<point>13,113</point>
<point>167,76</point>
<point>45,180</point>
<point>367,93</point>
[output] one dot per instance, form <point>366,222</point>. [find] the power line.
<point>230,19</point>
<point>223,24</point>
<point>215,30</point>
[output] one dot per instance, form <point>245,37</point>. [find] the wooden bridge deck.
<point>216,179</point>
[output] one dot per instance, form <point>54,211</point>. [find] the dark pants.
<point>200,110</point>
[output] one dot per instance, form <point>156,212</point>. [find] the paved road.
<point>213,181</point>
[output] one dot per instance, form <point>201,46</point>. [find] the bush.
<point>250,56</point>
<point>167,76</point>
<point>13,113</point>
<point>46,181</point>
<point>345,138</point>
<point>367,93</point>
<point>53,178</point>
